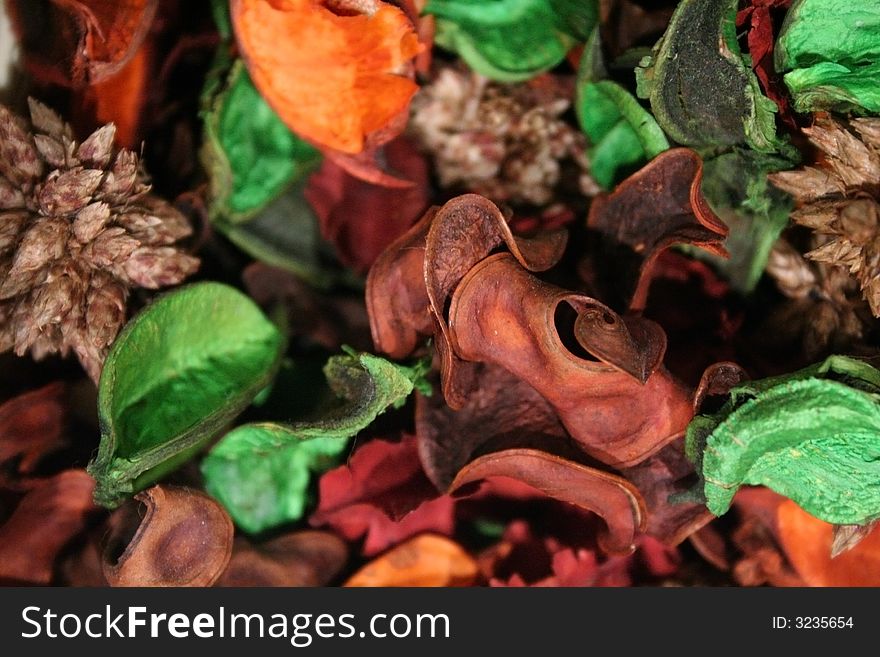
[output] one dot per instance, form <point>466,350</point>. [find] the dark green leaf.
<point>702,90</point>
<point>512,40</point>
<point>250,155</point>
<point>176,375</point>
<point>831,49</point>
<point>813,436</point>
<point>285,234</point>
<point>261,472</point>
<point>736,186</point>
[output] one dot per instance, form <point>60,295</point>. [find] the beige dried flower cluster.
<point>826,312</point>
<point>505,141</point>
<point>839,199</point>
<point>78,230</point>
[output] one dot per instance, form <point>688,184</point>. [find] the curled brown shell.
<point>176,537</point>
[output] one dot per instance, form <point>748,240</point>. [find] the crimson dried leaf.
<point>45,520</point>
<point>31,425</point>
<point>382,495</point>
<point>361,219</point>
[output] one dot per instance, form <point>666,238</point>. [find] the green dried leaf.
<point>285,234</point>
<point>176,375</point>
<point>736,186</point>
<point>250,155</point>
<point>702,90</point>
<point>813,436</point>
<point>831,49</point>
<point>512,40</point>
<point>623,134</point>
<point>261,472</point>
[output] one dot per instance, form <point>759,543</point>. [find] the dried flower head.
<point>78,230</point>
<point>840,198</point>
<point>507,142</point>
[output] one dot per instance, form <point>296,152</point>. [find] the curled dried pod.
<point>303,558</point>
<point>170,536</point>
<point>602,374</point>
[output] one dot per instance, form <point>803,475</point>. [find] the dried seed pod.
<point>176,536</point>
<point>304,558</point>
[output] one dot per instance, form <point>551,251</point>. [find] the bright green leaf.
<point>261,472</point>
<point>831,50</point>
<point>176,375</point>
<point>250,155</point>
<point>622,133</point>
<point>702,90</point>
<point>813,436</point>
<point>512,40</point>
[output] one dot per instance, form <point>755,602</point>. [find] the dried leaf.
<point>660,205</point>
<point>498,39</point>
<point>249,152</point>
<point>32,425</point>
<point>449,439</point>
<point>179,371</point>
<point>383,496</point>
<point>829,49</point>
<point>181,537</point>
<point>341,79</point>
<point>737,188</point>
<point>611,497</point>
<point>622,133</point>
<point>760,14</point>
<point>45,520</point>
<point>80,41</point>
<point>809,435</point>
<point>285,234</point>
<point>261,471</point>
<point>659,479</point>
<point>425,560</point>
<point>361,219</point>
<point>702,92</point>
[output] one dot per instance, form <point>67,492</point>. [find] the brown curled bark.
<point>612,498</point>
<point>660,205</point>
<point>303,558</point>
<point>409,285</point>
<point>184,538</point>
<point>620,409</point>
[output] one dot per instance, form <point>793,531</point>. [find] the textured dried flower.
<point>507,142</point>
<point>825,312</point>
<point>840,198</point>
<point>78,229</point>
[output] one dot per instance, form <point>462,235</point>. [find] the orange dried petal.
<point>807,543</point>
<point>333,79</point>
